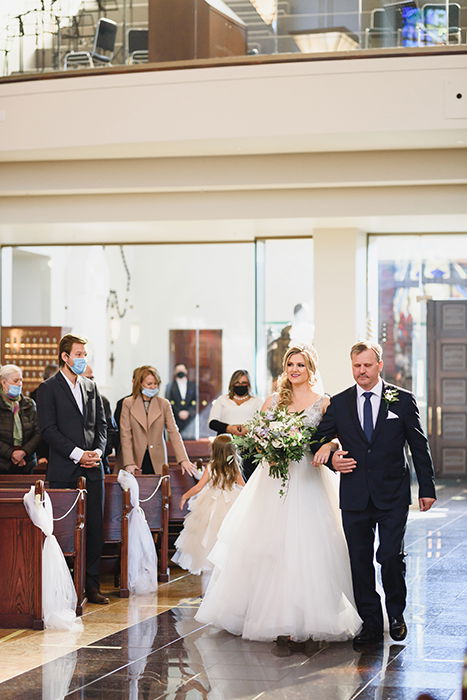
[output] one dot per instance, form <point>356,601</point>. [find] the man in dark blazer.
<point>373,422</point>
<point>182,394</point>
<point>72,422</point>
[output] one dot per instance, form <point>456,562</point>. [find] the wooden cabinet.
<point>186,29</point>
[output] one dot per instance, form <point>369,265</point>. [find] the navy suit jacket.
<point>382,471</point>
<point>64,427</point>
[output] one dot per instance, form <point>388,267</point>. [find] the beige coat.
<point>140,432</point>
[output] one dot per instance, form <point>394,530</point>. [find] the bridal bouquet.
<point>279,437</point>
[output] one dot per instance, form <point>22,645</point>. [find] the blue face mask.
<point>14,390</point>
<point>79,365</point>
<point>150,392</point>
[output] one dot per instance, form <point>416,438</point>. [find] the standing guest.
<point>117,416</point>
<point>42,451</point>
<point>373,422</point>
<point>112,431</point>
<point>181,393</point>
<point>49,371</point>
<point>72,421</point>
<point>219,488</point>
<point>19,429</point>
<point>231,411</point>
<point>145,416</point>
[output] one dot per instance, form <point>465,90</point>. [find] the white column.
<point>7,286</point>
<point>340,301</point>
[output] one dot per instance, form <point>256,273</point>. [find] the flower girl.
<point>218,488</point>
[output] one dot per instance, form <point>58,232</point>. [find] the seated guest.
<point>145,416</point>
<point>42,451</point>
<point>181,393</point>
<point>19,428</point>
<point>231,411</point>
<point>112,432</point>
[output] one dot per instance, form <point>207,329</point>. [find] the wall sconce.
<point>114,329</point>
<point>134,333</point>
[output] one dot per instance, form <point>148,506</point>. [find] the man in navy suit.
<point>373,422</point>
<point>72,422</point>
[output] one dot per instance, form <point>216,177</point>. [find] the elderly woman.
<point>144,417</point>
<point>19,429</point>
<point>231,411</point>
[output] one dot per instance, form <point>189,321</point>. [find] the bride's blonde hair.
<point>284,386</point>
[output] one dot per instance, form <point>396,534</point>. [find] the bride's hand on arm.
<point>323,454</point>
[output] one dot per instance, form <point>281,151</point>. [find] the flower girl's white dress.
<point>281,565</point>
<point>201,526</point>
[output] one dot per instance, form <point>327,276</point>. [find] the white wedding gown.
<point>281,565</point>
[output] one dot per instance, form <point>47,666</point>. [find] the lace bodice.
<point>313,413</point>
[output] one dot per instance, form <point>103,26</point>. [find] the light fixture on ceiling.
<point>323,40</point>
<point>267,10</point>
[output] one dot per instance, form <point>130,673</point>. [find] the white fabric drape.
<point>142,556</point>
<point>58,592</point>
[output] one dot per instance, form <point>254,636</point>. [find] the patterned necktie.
<point>368,415</point>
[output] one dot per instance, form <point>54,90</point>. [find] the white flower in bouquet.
<point>279,438</point>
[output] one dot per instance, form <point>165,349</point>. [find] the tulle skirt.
<point>201,527</point>
<point>281,565</point>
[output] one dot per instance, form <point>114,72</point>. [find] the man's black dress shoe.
<point>368,637</point>
<point>94,596</point>
<point>397,628</point>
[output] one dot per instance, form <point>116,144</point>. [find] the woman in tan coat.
<point>143,420</point>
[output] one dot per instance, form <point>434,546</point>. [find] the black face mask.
<point>241,389</point>
<point>180,375</point>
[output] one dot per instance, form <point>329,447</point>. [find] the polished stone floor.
<point>151,647</point>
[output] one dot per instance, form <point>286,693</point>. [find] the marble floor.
<point>151,647</point>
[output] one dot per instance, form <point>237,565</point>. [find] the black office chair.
<point>435,28</point>
<point>103,47</point>
<point>137,46</point>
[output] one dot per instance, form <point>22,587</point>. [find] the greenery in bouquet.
<point>279,438</point>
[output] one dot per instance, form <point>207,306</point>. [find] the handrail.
<point>234,61</point>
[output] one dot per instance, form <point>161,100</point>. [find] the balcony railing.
<point>42,36</point>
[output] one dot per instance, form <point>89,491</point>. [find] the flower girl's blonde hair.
<point>225,464</point>
<point>284,385</point>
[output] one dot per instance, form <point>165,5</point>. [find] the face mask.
<point>181,375</point>
<point>241,390</point>
<point>150,392</point>
<point>79,365</point>
<point>14,390</point>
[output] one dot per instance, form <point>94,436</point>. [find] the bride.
<point>281,566</point>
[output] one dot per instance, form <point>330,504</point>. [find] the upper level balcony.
<point>68,37</point>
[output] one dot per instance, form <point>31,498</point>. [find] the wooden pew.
<point>70,532</point>
<point>21,565</point>
<point>156,511</point>
<point>179,483</point>
<point>116,509</point>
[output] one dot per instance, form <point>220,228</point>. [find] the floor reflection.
<point>171,656</point>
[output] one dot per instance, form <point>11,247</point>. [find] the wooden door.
<point>447,385</point>
<point>201,351</point>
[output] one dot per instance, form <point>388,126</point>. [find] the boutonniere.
<point>390,396</point>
